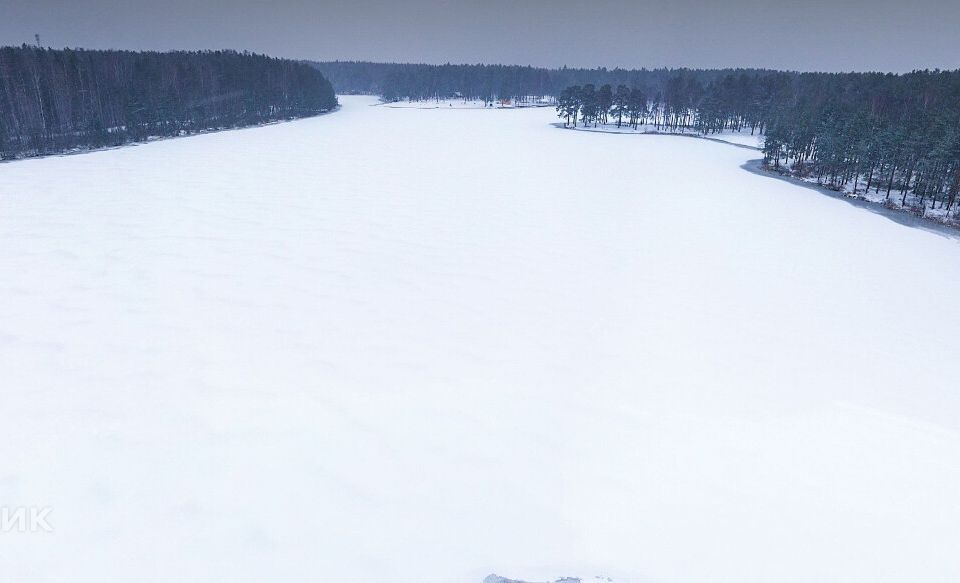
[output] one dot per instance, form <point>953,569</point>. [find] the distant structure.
<point>37,37</point>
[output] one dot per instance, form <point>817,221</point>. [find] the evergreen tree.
<point>621,104</point>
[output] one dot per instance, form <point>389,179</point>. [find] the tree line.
<point>57,100</point>
<point>682,102</point>
<point>419,82</point>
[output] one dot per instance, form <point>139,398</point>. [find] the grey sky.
<point>837,35</point>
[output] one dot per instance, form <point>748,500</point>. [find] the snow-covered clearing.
<point>401,346</point>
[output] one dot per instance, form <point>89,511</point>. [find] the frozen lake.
<point>421,346</point>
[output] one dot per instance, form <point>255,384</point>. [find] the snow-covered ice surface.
<point>401,346</point>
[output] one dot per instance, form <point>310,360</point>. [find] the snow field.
<point>398,345</point>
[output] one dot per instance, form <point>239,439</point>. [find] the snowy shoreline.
<point>901,216</point>
<point>455,104</point>
<point>744,139</point>
<point>154,139</point>
<point>904,216</point>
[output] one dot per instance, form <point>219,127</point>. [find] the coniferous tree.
<point>604,102</point>
<point>621,104</point>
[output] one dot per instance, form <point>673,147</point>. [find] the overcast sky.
<point>831,35</point>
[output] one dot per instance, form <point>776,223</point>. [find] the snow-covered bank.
<point>742,138</point>
<point>892,200</point>
<point>911,211</point>
<point>151,139</point>
<point>397,345</point>
<point>940,225</point>
<point>467,104</point>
